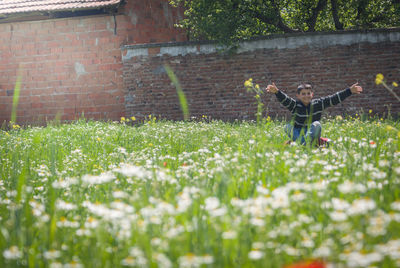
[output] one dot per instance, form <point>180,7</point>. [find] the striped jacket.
<point>303,115</point>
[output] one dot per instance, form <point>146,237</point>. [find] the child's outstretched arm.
<point>339,96</point>
<point>272,88</point>
<point>356,89</point>
<point>286,101</point>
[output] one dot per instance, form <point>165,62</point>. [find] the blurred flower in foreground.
<point>191,260</point>
<point>255,254</point>
<point>12,253</point>
<point>98,179</point>
<point>307,264</point>
<point>52,254</point>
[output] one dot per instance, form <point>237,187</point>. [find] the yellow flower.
<point>15,126</point>
<point>395,84</point>
<point>379,79</point>
<point>123,119</point>
<point>257,87</point>
<point>370,111</point>
<point>129,261</point>
<point>133,118</point>
<point>339,117</point>
<point>389,128</point>
<point>248,83</point>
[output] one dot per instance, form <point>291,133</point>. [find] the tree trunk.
<point>315,12</point>
<point>338,24</point>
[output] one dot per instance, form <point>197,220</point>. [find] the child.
<point>306,111</point>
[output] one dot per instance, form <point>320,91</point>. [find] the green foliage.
<point>199,194</point>
<point>230,20</point>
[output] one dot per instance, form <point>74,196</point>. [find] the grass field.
<point>199,194</point>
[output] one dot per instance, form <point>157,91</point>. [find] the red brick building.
<point>68,54</point>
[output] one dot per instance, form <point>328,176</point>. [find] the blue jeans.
<point>306,134</point>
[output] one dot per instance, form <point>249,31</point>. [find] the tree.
<point>230,20</point>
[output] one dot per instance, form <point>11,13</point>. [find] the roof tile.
<point>21,6</point>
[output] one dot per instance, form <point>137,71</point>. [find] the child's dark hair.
<point>304,86</point>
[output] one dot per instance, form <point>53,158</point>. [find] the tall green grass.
<point>179,91</point>
<point>17,91</point>
<point>191,194</point>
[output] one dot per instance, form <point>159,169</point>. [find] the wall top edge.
<point>267,37</point>
<point>275,41</point>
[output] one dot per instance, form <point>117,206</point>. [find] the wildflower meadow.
<point>199,194</point>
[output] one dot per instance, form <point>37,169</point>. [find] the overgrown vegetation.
<point>230,20</point>
<point>190,194</point>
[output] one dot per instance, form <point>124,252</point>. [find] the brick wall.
<point>213,83</point>
<point>73,65</point>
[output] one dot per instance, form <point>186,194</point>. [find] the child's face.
<point>305,96</point>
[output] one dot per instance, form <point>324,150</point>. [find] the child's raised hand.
<point>356,89</point>
<point>272,88</point>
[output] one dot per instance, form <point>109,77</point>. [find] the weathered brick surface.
<point>213,83</point>
<point>72,66</point>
